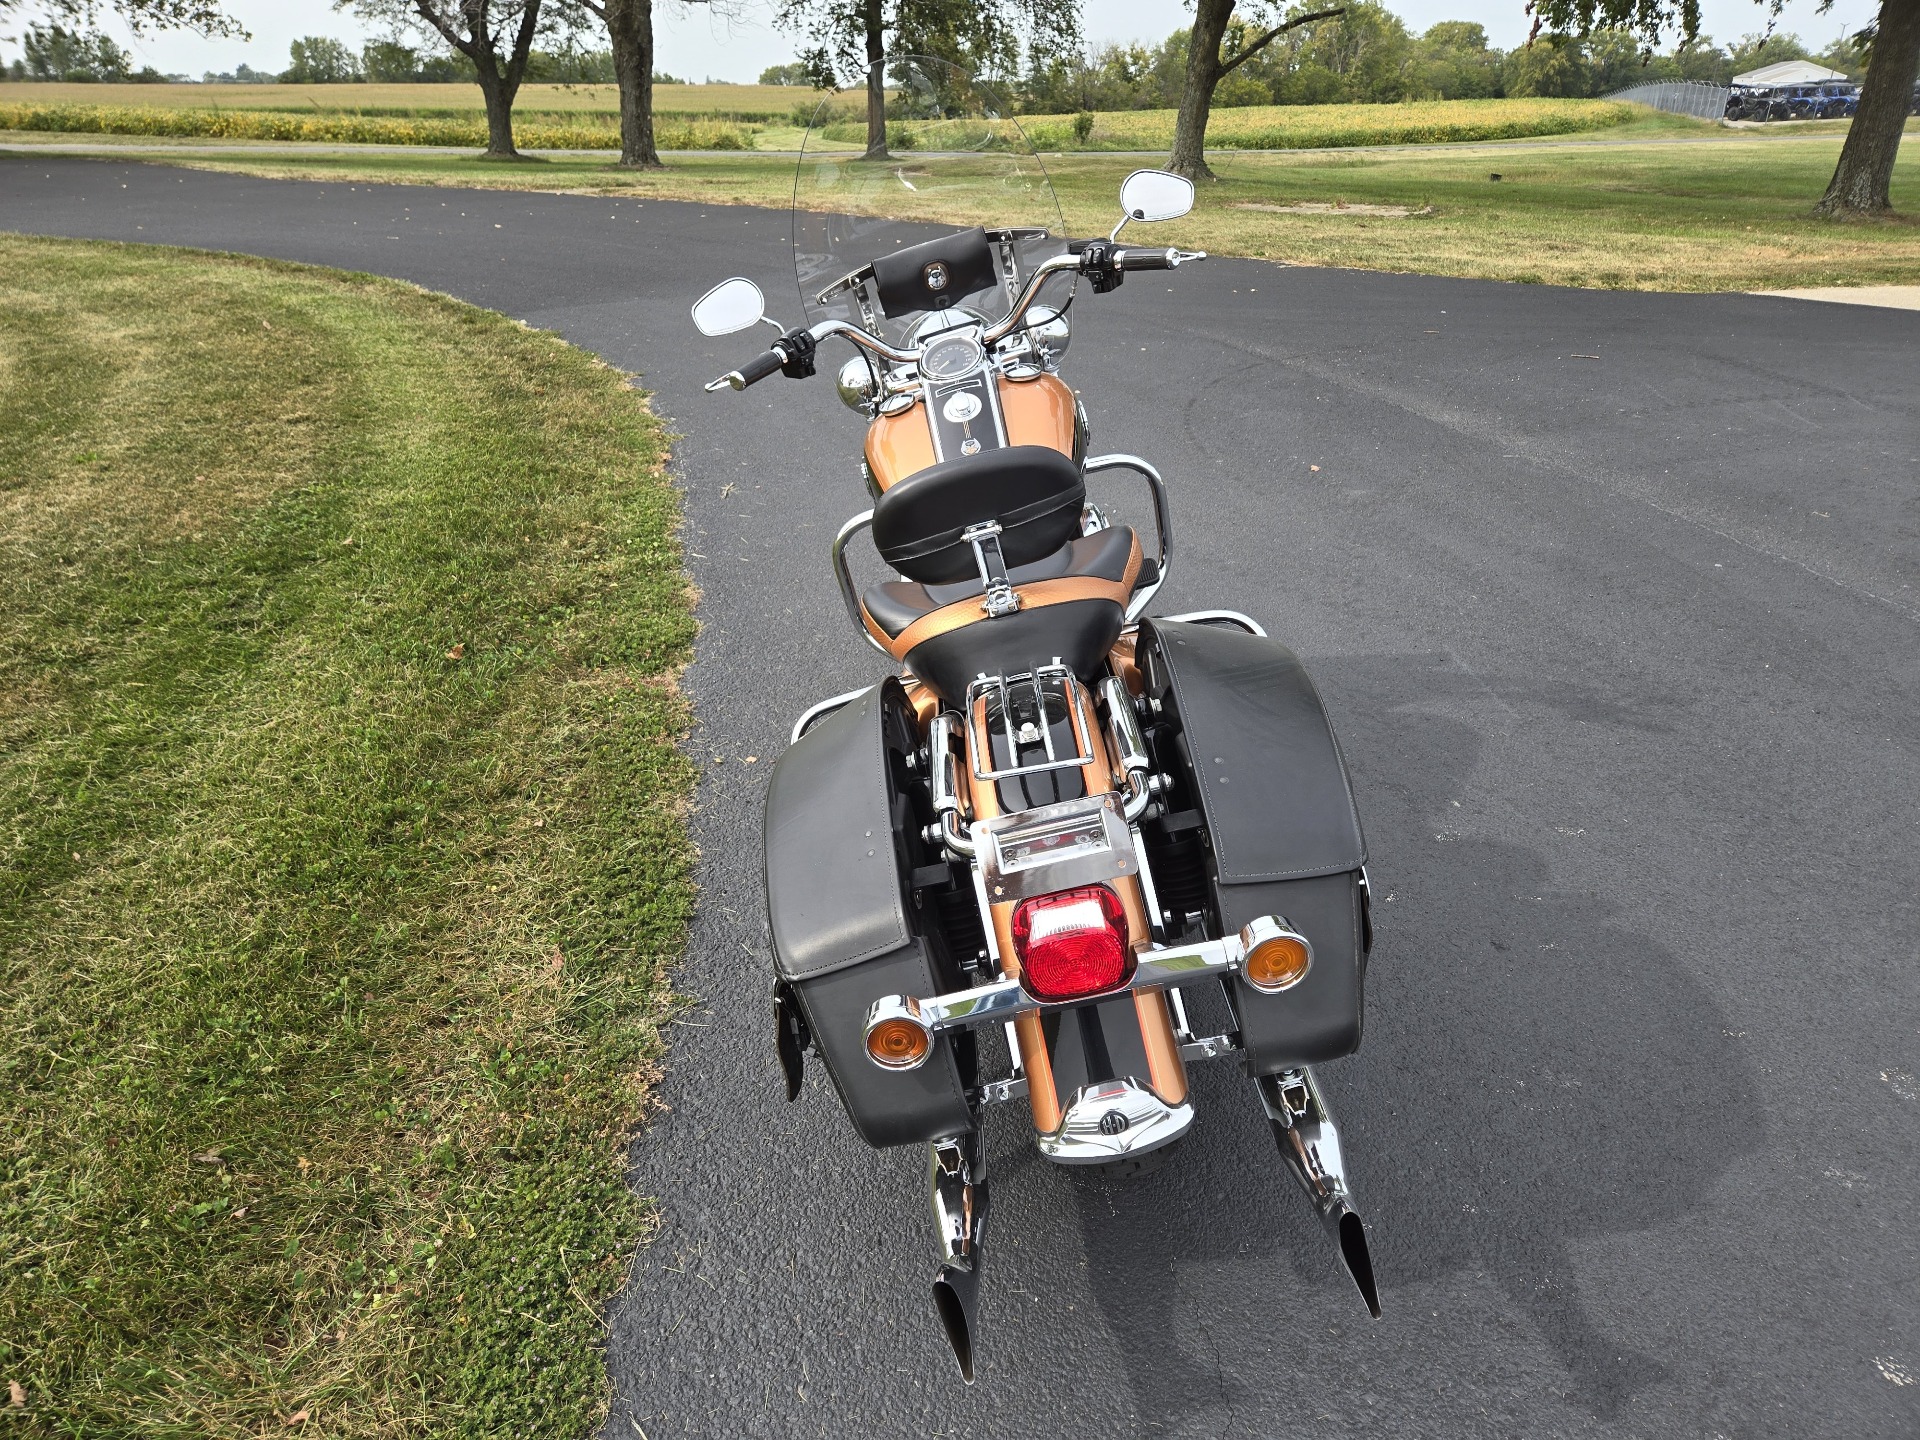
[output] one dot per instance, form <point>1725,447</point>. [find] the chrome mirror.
<point>731,305</point>
<point>1155,195</point>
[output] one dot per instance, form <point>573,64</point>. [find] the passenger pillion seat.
<point>999,579</point>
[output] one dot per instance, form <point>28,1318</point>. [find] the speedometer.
<point>953,358</point>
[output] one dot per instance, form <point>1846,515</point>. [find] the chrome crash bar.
<point>1006,998</point>
<point>843,576</point>
<point>1162,521</point>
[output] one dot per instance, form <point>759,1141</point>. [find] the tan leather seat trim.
<point>1039,594</point>
<point>1061,590</point>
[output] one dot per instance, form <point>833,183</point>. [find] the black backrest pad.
<point>1034,491</point>
<point>935,274</point>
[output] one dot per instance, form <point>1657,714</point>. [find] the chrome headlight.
<point>1049,334</point>
<point>857,385</point>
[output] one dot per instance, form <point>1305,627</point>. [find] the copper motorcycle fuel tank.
<point>1040,411</point>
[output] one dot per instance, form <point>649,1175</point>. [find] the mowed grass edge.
<point>1672,204</point>
<point>341,849</point>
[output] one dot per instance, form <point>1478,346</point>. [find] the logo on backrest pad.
<point>935,275</point>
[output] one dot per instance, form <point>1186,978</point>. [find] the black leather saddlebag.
<point>839,906</point>
<point>1278,820</point>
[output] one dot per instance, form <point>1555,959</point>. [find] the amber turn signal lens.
<point>1277,963</point>
<point>898,1044</point>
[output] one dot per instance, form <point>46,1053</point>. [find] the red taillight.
<point>1071,944</point>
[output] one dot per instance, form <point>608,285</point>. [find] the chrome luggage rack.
<point>1043,682</point>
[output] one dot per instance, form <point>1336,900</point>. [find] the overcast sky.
<point>695,45</point>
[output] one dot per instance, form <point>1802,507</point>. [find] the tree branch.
<point>432,16</point>
<point>1267,39</point>
<point>523,42</point>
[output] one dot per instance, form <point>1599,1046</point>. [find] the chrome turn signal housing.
<point>1276,958</point>
<point>897,1037</point>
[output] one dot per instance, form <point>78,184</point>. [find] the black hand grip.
<point>1144,260</point>
<point>767,362</point>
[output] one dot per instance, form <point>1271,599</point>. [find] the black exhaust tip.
<point>955,1293</point>
<point>1353,1250</point>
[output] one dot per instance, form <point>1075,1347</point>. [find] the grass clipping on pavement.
<point>341,849</point>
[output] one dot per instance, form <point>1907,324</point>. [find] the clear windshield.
<point>956,159</point>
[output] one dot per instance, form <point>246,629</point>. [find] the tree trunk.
<point>1196,101</point>
<point>876,83</point>
<point>498,92</point>
<point>630,31</point>
<point>1863,177</point>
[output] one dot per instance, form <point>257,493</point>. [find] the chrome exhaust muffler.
<point>1310,1144</point>
<point>958,1181</point>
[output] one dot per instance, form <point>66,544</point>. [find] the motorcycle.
<point>1060,823</point>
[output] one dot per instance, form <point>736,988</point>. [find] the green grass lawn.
<point>1660,204</point>
<point>341,849</point>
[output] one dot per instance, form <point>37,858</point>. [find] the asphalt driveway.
<point>1615,599</point>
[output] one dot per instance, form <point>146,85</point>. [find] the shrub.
<point>587,132</point>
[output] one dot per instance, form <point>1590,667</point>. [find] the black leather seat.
<point>1072,606</point>
<point>896,604</point>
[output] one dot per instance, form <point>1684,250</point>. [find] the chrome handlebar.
<point>1168,259</point>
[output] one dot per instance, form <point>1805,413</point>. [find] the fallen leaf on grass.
<point>457,651</point>
<point>554,960</point>
<point>16,1395</point>
<point>208,1157</point>
<point>298,1417</point>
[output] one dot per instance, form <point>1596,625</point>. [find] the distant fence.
<point>1679,97</point>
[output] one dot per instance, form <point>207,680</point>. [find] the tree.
<point>476,29</point>
<point>850,39</point>
<point>630,32</point>
<point>793,73</point>
<point>1863,177</point>
<point>316,60</point>
<point>204,16</point>
<point>55,53</point>
<point>1207,65</point>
